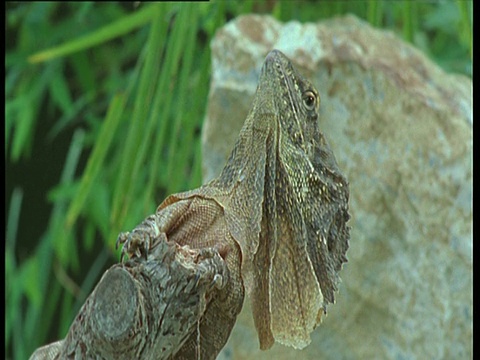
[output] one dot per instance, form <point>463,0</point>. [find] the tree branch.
<point>145,308</point>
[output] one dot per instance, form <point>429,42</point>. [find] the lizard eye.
<point>309,100</point>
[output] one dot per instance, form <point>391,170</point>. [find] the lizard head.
<point>296,102</point>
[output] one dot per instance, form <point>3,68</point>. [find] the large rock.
<point>401,129</point>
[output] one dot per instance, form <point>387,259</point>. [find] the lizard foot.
<point>207,255</point>
<point>138,242</point>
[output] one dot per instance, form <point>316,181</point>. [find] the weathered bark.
<point>145,308</point>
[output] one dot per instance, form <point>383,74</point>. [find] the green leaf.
<point>84,71</point>
<point>60,92</point>
<point>96,158</point>
<point>70,114</point>
<point>138,139</point>
<point>465,9</point>
<point>24,128</point>
<point>374,12</point>
<point>63,192</point>
<point>98,210</point>
<point>28,277</point>
<point>109,32</point>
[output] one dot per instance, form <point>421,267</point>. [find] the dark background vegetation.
<point>104,104</point>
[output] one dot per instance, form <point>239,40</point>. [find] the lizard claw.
<point>140,240</point>
<point>135,244</point>
<point>121,239</point>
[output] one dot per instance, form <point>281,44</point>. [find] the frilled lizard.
<point>273,223</point>
<point>277,214</point>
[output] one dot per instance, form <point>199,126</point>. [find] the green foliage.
<point>116,95</point>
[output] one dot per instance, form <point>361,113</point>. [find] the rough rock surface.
<point>401,130</point>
